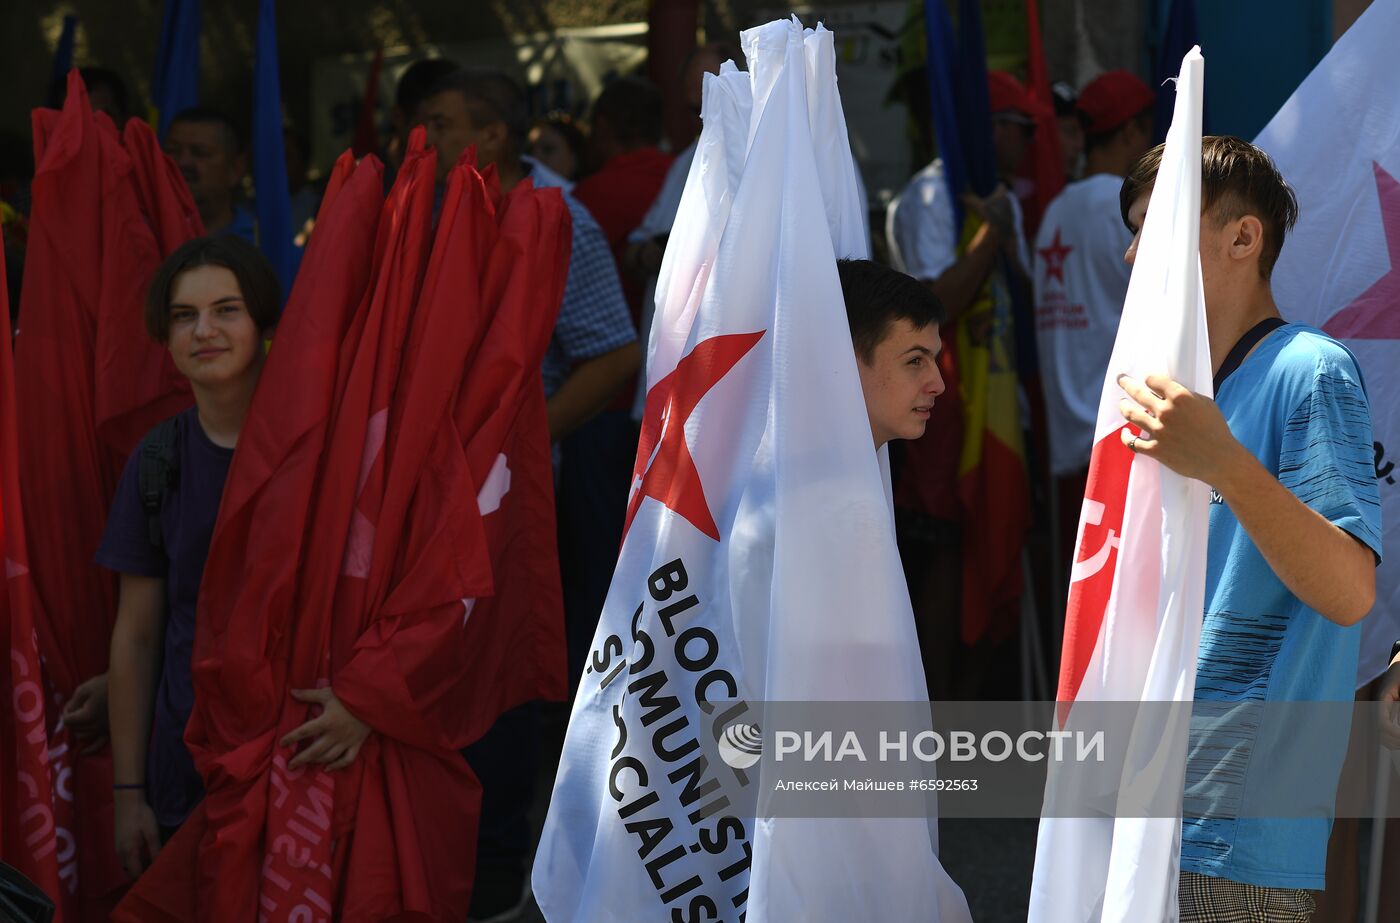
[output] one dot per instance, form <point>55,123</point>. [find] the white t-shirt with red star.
<point>1080,282</point>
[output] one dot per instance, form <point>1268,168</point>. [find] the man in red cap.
<point>925,244</point>
<point>1081,280</point>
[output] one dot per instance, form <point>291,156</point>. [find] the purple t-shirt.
<point>187,519</point>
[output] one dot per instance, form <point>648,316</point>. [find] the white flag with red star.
<point>1137,591</point>
<point>759,561</point>
<point>1337,143</point>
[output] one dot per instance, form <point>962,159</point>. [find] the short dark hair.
<point>416,82</point>
<point>632,107</point>
<point>877,296</point>
<point>492,96</point>
<point>208,115</point>
<point>1237,179</point>
<point>262,294</point>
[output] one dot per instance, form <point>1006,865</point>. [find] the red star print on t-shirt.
<point>1055,255</point>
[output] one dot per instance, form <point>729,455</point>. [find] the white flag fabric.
<point>1137,590</point>
<point>1337,143</point>
<point>758,562</point>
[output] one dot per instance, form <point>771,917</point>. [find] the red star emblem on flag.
<point>1374,314</point>
<point>665,470</point>
<point>1055,255</point>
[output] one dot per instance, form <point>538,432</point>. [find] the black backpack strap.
<point>157,471</point>
<point>1242,348</point>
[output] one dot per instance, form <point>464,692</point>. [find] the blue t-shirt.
<point>187,520</point>
<point>1298,403</point>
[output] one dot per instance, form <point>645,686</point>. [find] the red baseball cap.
<point>1111,99</point>
<point>1008,95</point>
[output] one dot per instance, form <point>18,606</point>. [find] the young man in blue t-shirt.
<point>1295,538</point>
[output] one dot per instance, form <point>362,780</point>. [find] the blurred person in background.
<point>925,244</point>
<point>1081,280</point>
<point>206,146</point>
<point>559,144</point>
<point>1070,129</point>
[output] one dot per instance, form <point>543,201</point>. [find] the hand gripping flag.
<point>1137,589</point>
<point>83,358</point>
<point>30,839</point>
<point>758,523</point>
<point>1340,267</point>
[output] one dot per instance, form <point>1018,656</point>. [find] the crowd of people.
<point>215,301</point>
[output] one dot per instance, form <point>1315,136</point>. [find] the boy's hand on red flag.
<point>336,734</point>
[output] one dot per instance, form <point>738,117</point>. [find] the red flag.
<point>89,383</point>
<point>366,139</point>
<point>29,836</point>
<point>1044,167</point>
<point>521,625</point>
<point>255,553</point>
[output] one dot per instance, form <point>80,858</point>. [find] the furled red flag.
<point>366,137</point>
<point>256,552</point>
<point>29,836</point>
<point>1044,166</point>
<point>373,594</point>
<point>515,637</point>
<point>1137,591</point>
<point>89,383</point>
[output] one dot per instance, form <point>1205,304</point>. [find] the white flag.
<point>1337,143</point>
<point>1137,591</point>
<point>758,562</point>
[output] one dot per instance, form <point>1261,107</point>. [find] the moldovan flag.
<point>1340,267</point>
<point>758,561</point>
<point>1137,590</point>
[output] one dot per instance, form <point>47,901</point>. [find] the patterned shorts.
<point>1203,899</point>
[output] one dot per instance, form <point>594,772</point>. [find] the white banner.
<point>1337,143</point>
<point>759,561</point>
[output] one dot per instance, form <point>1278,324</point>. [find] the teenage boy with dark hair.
<point>1080,283</point>
<point>1294,541</point>
<point>894,330</point>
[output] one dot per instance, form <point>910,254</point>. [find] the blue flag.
<point>274,206</point>
<point>1180,35</point>
<point>941,66</point>
<point>974,108</point>
<point>176,85</point>
<point>63,60</point>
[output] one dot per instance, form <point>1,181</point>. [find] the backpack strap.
<point>157,471</point>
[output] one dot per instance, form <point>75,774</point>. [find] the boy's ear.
<point>1249,238</point>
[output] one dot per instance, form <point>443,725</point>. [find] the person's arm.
<point>958,285</point>
<point>132,677</point>
<point>589,387</point>
<point>1326,567</point>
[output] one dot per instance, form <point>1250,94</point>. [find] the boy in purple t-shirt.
<point>211,303</point>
